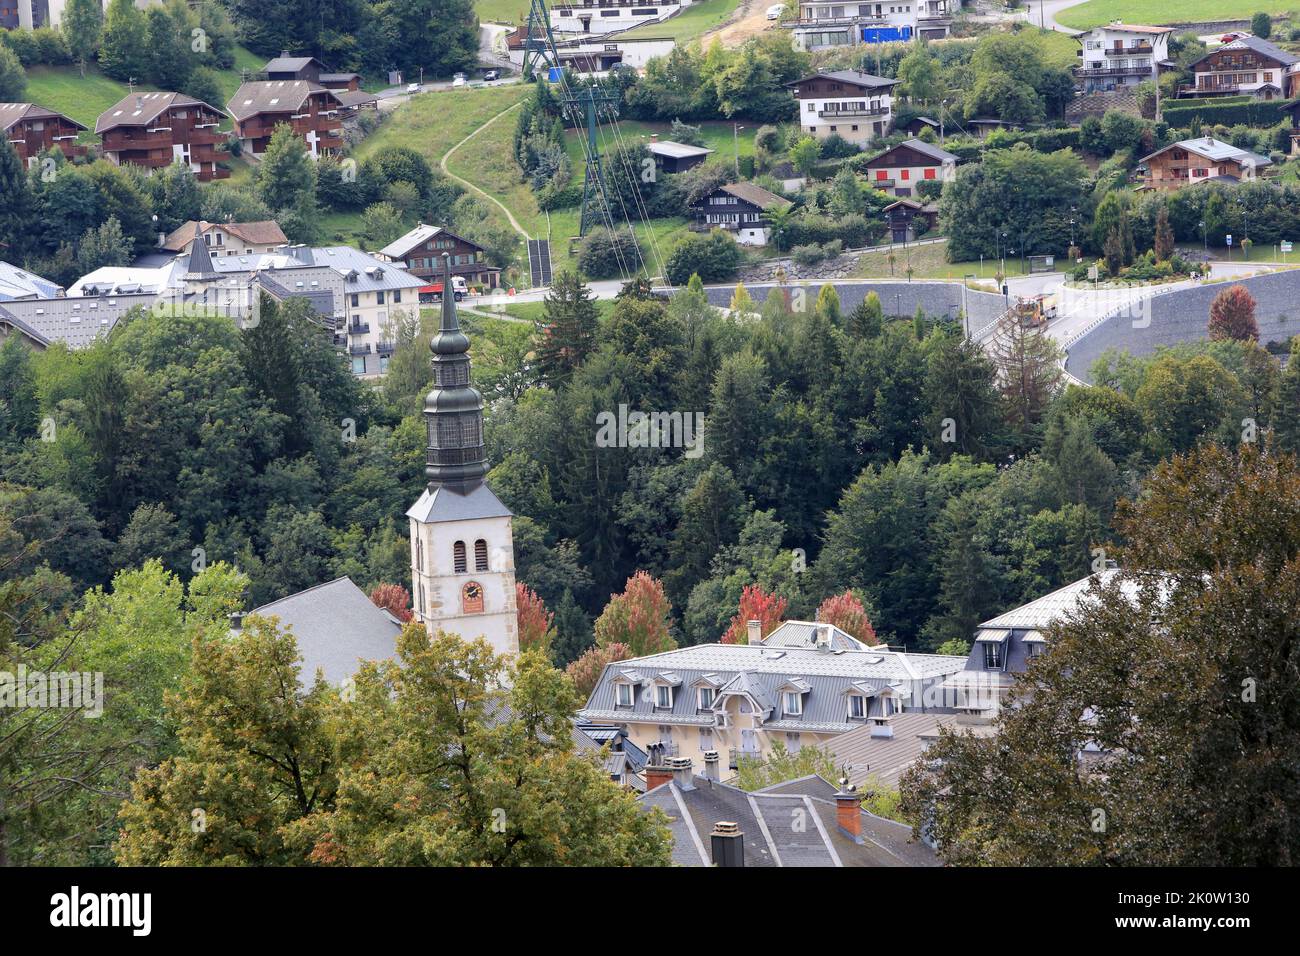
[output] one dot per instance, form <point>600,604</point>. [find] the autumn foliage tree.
<point>846,612</point>
<point>535,622</point>
<point>394,599</point>
<point>639,617</point>
<point>586,670</point>
<point>1232,315</point>
<point>755,605</point>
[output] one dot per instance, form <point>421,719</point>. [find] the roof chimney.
<point>881,727</point>
<point>848,810</point>
<point>728,844</point>
<point>236,620</point>
<point>656,775</point>
<point>711,765</point>
<point>755,629</point>
<point>683,772</point>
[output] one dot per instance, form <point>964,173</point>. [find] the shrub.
<point>603,254</point>
<point>715,257</point>
<point>808,255</point>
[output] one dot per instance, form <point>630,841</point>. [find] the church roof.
<point>447,504</point>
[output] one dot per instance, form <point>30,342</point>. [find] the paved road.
<point>1044,12</point>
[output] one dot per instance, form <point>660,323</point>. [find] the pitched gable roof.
<point>1216,150</point>
<point>12,113</point>
<point>851,77</point>
<point>937,153</point>
<point>262,232</point>
<point>756,195</point>
<point>274,96</point>
<point>141,109</point>
<point>1262,47</point>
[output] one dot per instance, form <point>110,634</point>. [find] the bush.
<point>836,146</point>
<point>603,254</point>
<point>1228,111</point>
<point>714,256</point>
<point>808,255</point>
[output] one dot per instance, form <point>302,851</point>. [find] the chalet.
<point>906,219</point>
<point>310,69</point>
<point>420,253</point>
<point>673,157</point>
<point>228,238</point>
<point>853,105</point>
<point>1246,65</point>
<point>741,699</point>
<point>32,129</point>
<point>822,25</point>
<point>918,124</point>
<point>740,208</point>
<point>311,110</point>
<point>898,169</point>
<point>1120,55</point>
<point>1199,161</point>
<point>154,130</point>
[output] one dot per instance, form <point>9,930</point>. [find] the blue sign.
<point>555,74</point>
<point>886,34</point>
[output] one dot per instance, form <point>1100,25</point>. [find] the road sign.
<point>1228,239</point>
<point>1286,245</point>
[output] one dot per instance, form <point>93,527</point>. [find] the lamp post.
<point>965,310</point>
<point>1002,254</point>
<point>735,135</point>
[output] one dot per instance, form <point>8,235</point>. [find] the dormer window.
<point>706,695</point>
<point>993,655</point>
<point>622,695</point>
<point>664,696</point>
<point>857,707</point>
<point>792,703</point>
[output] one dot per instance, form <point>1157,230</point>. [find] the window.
<point>419,555</point>
<point>857,706</point>
<point>480,555</point>
<point>706,738</point>
<point>929,174</point>
<point>881,174</point>
<point>664,696</point>
<point>792,703</point>
<point>906,174</point>
<point>379,297</point>
<point>397,295</point>
<point>356,301</point>
<point>622,695</point>
<point>706,698</point>
<point>359,365</point>
<point>993,655</point>
<point>458,557</point>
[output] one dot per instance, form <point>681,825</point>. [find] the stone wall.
<point>1181,316</point>
<point>897,298</point>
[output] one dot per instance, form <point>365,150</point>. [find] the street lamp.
<point>1205,243</point>
<point>965,311</point>
<point>735,134</point>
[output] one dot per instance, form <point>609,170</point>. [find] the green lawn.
<point>930,262</point>
<point>501,11</point>
<point>718,136</point>
<point>432,123</point>
<point>696,19</point>
<point>1155,12</point>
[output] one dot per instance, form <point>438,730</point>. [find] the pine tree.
<point>573,634</point>
<point>286,177</point>
<point>1029,371</point>
<point>1164,242</point>
<point>567,328</point>
<point>868,319</point>
<point>17,207</point>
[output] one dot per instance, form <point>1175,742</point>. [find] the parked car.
<point>491,75</point>
<point>412,87</point>
<point>458,79</point>
<point>775,10</point>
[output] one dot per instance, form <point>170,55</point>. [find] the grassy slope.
<point>501,11</point>
<point>63,89</point>
<point>696,19</point>
<point>718,136</point>
<point>1097,12</point>
<point>928,262</point>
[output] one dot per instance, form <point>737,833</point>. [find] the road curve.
<point>514,223</point>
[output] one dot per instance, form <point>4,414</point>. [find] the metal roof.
<point>864,757</point>
<point>666,147</point>
<point>852,77</point>
<point>937,153</point>
<point>273,96</point>
<point>803,634</point>
<point>448,504</point>
<point>16,283</point>
<point>11,113</point>
<point>1045,611</point>
<point>140,109</point>
<point>1263,47</point>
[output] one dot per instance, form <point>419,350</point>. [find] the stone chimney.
<point>848,810</point>
<point>711,766</point>
<point>656,775</point>
<point>683,772</point>
<point>755,629</point>
<point>728,844</point>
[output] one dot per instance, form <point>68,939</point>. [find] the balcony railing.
<point>359,349</point>
<point>868,111</point>
<point>736,753</point>
<point>359,328</point>
<point>1112,71</point>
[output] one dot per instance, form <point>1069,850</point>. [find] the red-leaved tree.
<point>846,612</point>
<point>638,617</point>
<point>534,620</point>
<point>1232,315</point>
<point>586,670</point>
<point>393,598</point>
<point>755,605</point>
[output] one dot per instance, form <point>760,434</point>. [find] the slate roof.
<point>778,828</point>
<point>11,113</point>
<point>937,153</point>
<point>75,321</point>
<point>290,64</point>
<point>863,757</point>
<point>345,260</point>
<point>666,147</point>
<point>336,627</point>
<point>760,672</point>
<point>448,504</point>
<point>127,112</point>
<point>853,77</point>
<point>1263,47</point>
<point>273,96</point>
<point>261,232</point>
<point>1047,610</point>
<point>13,322</point>
<point>16,283</point>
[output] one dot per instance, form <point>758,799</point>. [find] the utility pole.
<point>539,42</point>
<point>595,209</point>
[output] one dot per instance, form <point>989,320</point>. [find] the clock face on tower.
<point>472,598</point>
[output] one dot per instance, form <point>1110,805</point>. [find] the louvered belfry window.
<point>480,555</point>
<point>458,557</point>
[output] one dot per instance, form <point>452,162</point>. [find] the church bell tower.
<point>462,549</point>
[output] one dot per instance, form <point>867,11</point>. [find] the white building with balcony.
<point>822,25</point>
<point>848,103</point>
<point>1120,55</point>
<point>598,17</point>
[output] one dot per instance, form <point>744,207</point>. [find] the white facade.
<point>599,17</point>
<point>1120,55</point>
<point>463,573</point>
<point>822,25</point>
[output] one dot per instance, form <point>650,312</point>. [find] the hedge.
<point>1241,111</point>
